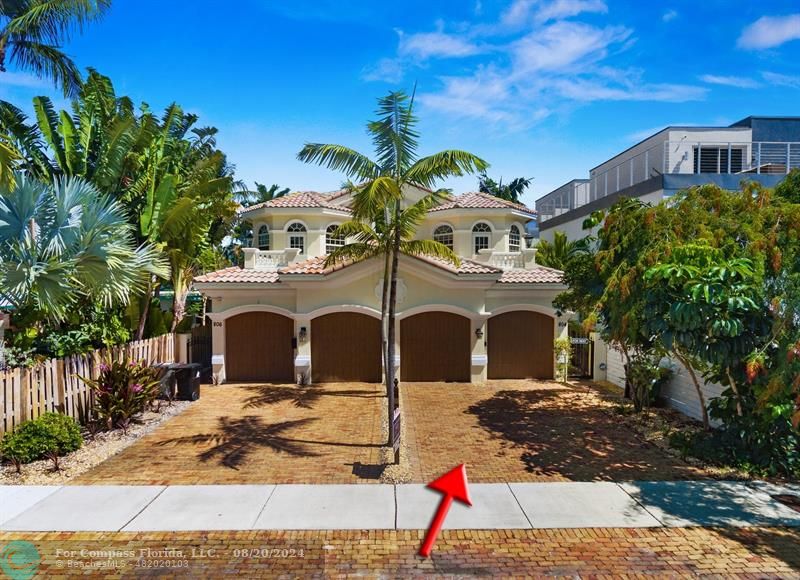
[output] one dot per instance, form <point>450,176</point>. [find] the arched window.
<point>481,234</point>
<point>332,239</point>
<point>297,236</point>
<point>263,238</point>
<point>444,235</point>
<point>513,239</point>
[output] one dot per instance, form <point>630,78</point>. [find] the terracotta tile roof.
<point>465,267</point>
<point>479,200</point>
<point>237,274</point>
<point>301,200</point>
<point>313,266</point>
<point>316,267</point>
<point>536,275</point>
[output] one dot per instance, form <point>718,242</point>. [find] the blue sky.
<point>539,88</point>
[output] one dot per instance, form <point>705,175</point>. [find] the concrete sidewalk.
<point>367,506</point>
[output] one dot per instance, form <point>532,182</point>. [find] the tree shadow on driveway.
<point>561,433</point>
<point>304,397</point>
<point>237,439</point>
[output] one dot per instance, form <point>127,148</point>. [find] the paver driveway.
<point>504,431</point>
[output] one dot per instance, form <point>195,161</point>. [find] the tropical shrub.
<point>50,435</point>
<point>562,348</point>
<point>645,377</point>
<point>712,278</point>
<point>123,389</point>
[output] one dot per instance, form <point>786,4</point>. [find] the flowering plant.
<point>123,389</point>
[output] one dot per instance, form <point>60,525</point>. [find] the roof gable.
<point>480,200</point>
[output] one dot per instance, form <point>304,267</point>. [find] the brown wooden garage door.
<point>435,346</point>
<point>520,346</point>
<point>258,347</point>
<point>346,346</point>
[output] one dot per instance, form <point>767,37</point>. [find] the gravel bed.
<point>93,452</point>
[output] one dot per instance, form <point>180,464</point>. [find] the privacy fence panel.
<point>55,385</point>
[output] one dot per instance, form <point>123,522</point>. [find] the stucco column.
<point>302,359</point>
<point>480,358</point>
<point>217,347</point>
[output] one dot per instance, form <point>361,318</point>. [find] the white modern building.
<point>763,149</point>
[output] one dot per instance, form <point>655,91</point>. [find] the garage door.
<point>520,346</point>
<point>435,346</point>
<point>345,347</point>
<point>258,347</point>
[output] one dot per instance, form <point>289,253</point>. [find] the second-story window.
<point>513,239</point>
<point>444,235</point>
<point>297,236</point>
<point>481,234</point>
<point>332,239</point>
<point>263,238</point>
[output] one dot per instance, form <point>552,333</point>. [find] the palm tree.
<point>9,156</point>
<point>63,241</point>
<point>379,200</point>
<point>34,30</point>
<point>261,194</point>
<point>176,186</point>
<point>510,191</point>
<point>559,252</point>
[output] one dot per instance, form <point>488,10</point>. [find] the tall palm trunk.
<point>148,297</point>
<point>392,325</point>
<point>385,329</point>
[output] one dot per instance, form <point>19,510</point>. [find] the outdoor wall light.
<point>478,333</point>
<point>303,334</point>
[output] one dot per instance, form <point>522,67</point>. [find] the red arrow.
<point>453,485</point>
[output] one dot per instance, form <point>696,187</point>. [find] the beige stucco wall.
<point>421,290</point>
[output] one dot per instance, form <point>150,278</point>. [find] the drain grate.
<point>793,501</point>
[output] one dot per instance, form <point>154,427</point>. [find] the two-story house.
<point>762,149</point>
<point>285,314</point>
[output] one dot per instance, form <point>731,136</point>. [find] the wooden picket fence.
<point>54,385</point>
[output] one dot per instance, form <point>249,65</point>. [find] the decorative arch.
<point>482,221</point>
<point>474,316</point>
<point>444,233</point>
<point>295,221</point>
<point>236,310</point>
<point>263,237</point>
<point>357,308</point>
<point>551,312</point>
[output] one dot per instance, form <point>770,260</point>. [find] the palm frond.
<point>374,196</point>
<point>429,248</point>
<point>46,61</point>
<point>354,252</point>
<point>449,163</point>
<point>339,158</point>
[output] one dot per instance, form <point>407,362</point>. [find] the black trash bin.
<point>188,381</point>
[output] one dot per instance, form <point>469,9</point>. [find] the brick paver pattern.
<point>503,431</point>
<point>660,552</point>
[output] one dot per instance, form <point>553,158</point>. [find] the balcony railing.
<point>268,260</point>
<point>526,258</point>
<point>673,157</point>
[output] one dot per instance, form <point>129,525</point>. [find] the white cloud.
<point>669,15</point>
<point>586,90</point>
<point>389,70</point>
<point>426,45</point>
<point>521,12</point>
<point>537,60</point>
<point>781,80</point>
<point>770,31</point>
<point>566,8</point>
<point>730,81</point>
<point>563,45</point>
